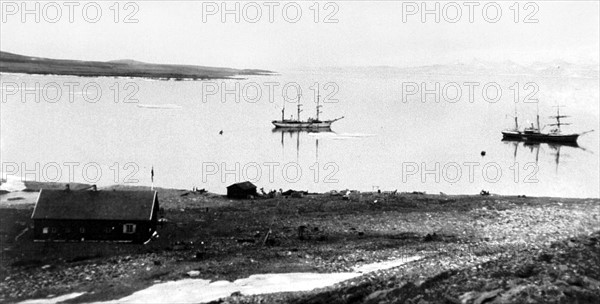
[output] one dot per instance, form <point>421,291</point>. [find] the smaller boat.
<point>310,123</point>
<point>513,134</point>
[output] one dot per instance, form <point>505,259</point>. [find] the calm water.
<point>382,142</point>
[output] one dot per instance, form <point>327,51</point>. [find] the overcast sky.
<point>368,33</point>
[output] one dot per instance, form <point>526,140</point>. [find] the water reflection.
<point>535,147</point>
<point>294,134</point>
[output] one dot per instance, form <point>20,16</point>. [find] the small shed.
<point>68,215</point>
<point>241,190</point>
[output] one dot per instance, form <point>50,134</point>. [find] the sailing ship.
<point>535,134</point>
<point>310,123</point>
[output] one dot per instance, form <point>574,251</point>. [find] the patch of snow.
<point>53,300</point>
<point>201,291</point>
<point>18,198</point>
<point>12,184</point>
<point>384,265</point>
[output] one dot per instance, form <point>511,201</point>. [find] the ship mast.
<point>299,105</point>
<point>537,107</point>
<point>283,111</point>
<point>516,119</point>
<point>558,117</point>
<point>318,105</point>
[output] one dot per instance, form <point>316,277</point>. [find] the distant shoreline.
<point>13,63</point>
<point>35,186</point>
<point>235,77</point>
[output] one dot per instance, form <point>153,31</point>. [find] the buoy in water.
<point>482,153</point>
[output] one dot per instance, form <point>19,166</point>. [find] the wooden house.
<point>241,190</point>
<point>68,215</point>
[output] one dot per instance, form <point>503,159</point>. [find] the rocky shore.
<point>475,249</point>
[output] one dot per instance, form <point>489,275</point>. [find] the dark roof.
<point>243,186</point>
<point>94,205</point>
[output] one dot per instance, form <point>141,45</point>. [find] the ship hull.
<point>302,124</point>
<point>540,137</point>
<point>512,135</point>
<point>298,130</point>
<point>553,138</point>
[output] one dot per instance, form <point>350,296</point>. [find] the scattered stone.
<point>545,257</point>
<point>193,273</point>
<point>302,232</point>
<point>467,297</point>
<point>526,271</point>
<point>451,299</point>
<point>484,297</point>
<point>431,237</point>
<point>591,283</point>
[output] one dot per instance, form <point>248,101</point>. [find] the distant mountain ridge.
<point>15,63</point>
<point>556,68</point>
<point>127,61</point>
<point>479,68</point>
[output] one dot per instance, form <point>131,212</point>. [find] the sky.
<point>365,33</point>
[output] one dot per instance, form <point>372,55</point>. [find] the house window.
<point>129,228</point>
<point>54,229</point>
<point>45,230</point>
<point>82,230</point>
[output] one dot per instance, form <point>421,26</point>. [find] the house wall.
<point>240,193</point>
<point>92,230</point>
